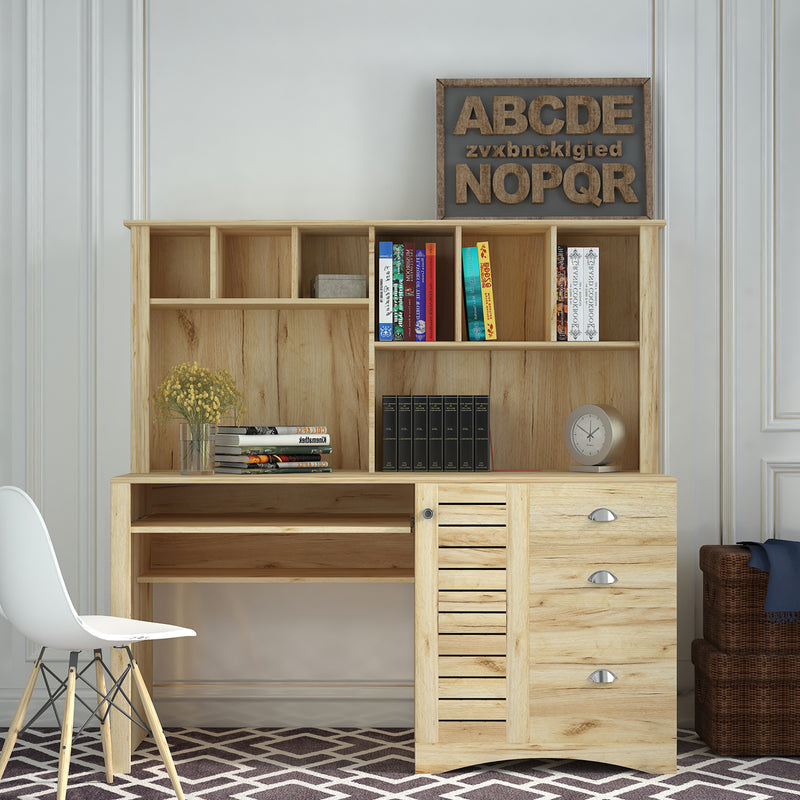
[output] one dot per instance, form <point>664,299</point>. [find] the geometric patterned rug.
<point>372,764</point>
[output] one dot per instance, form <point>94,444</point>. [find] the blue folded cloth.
<point>781,559</point>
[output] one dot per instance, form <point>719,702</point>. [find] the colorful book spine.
<point>591,274</point>
<point>435,433</point>
<point>397,292</point>
<point>450,443</point>
<point>419,296</point>
<point>385,332</point>
<point>430,292</point>
<point>562,308</point>
<point>472,293</point>
<point>487,295</point>
<point>419,410</point>
<point>408,292</point>
<point>271,439</point>
<point>575,284</point>
<point>389,457</point>
<point>482,444</point>
<point>405,433</point>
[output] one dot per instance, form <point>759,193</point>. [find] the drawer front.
<point>628,568</point>
<point>584,634</point>
<point>559,514</point>
<point>601,716</point>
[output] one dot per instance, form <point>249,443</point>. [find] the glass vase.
<point>198,441</point>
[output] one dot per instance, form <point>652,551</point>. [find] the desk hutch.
<point>517,653</point>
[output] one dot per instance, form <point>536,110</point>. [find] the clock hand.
<point>584,430</point>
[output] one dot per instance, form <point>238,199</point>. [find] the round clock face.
<point>588,434</point>
<point>594,434</point>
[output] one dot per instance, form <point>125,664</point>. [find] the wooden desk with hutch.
<point>516,652</point>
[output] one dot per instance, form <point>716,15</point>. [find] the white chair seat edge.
<point>120,631</point>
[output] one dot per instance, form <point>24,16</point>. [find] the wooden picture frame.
<point>544,148</point>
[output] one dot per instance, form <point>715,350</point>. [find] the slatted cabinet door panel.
<point>472,535</point>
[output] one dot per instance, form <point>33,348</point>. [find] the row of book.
<point>265,449</point>
<point>577,294</point>
<point>447,433</point>
<point>406,292</point>
<point>478,294</point>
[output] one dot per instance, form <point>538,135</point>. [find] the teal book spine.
<point>397,292</point>
<point>473,300</point>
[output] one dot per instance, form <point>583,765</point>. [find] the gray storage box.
<point>339,286</point>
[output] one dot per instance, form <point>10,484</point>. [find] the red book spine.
<point>430,292</point>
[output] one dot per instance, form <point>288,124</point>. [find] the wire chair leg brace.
<point>106,700</point>
<point>16,723</point>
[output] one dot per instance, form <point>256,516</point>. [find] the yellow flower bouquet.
<point>200,397</point>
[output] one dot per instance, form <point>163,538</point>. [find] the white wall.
<point>179,109</point>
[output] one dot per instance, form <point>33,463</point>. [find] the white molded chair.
<point>35,600</point>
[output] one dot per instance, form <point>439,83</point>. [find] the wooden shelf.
<point>259,303</point>
<point>497,345</point>
<point>188,523</point>
<point>174,575</point>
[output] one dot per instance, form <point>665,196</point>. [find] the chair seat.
<point>119,630</point>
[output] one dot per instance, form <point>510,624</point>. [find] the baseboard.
<point>283,704</point>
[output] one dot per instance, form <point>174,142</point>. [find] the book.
<point>487,295</point>
<point>466,432</point>
<point>435,433</point>
<point>244,439</point>
<point>389,411</point>
<point>481,442</point>
<point>408,292</point>
<point>419,296</point>
<point>575,283</point>
<point>472,293</point>
<point>289,465</point>
<point>591,294</point>
<point>397,292</point>
<point>419,410</point>
<point>430,292</point>
<point>267,469</point>
<point>230,459</point>
<point>385,333</point>
<point>450,433</point>
<point>296,449</point>
<point>404,433</point>
<point>562,309</point>
<point>272,430</point>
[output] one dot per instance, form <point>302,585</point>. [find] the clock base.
<point>596,468</point>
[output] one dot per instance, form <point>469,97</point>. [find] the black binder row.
<point>436,433</point>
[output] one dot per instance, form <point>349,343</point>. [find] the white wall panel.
<point>783,376</point>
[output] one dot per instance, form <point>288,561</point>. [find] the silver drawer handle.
<point>602,577</point>
<point>602,676</point>
<point>602,515</point>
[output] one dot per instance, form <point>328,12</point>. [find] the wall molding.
<point>774,419</point>
<point>771,471</point>
<point>728,110</point>
<point>140,95</point>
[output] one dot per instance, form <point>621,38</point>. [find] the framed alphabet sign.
<point>544,148</point>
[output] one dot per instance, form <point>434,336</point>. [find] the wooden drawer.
<point>559,513</point>
<point>578,633</point>
<point>601,716</point>
<point>472,492</point>
<point>569,567</point>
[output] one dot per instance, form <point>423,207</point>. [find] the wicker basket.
<point>733,605</point>
<point>747,705</point>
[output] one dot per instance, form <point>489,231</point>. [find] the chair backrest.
<point>33,595</point>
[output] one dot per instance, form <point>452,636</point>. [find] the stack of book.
<point>578,294</point>
<point>447,433</point>
<point>265,449</point>
<point>406,292</point>
<point>478,293</point>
